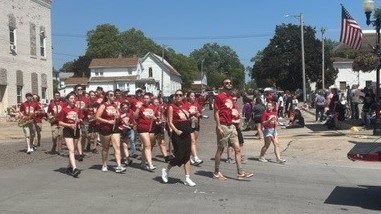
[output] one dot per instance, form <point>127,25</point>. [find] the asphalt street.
<point>317,178</point>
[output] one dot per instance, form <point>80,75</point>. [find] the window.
<point>343,85</point>
<point>33,45</point>
<point>150,72</point>
<point>42,44</point>
<point>19,94</point>
<point>121,86</point>
<point>101,73</point>
<point>12,39</point>
<point>368,83</point>
<point>43,93</point>
<point>96,73</point>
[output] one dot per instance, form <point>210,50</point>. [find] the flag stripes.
<point>351,33</point>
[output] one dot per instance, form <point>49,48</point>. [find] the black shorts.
<point>69,133</point>
<point>106,132</point>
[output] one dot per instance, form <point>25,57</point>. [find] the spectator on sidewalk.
<point>319,105</point>
<point>297,121</point>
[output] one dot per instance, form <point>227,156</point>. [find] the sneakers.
<point>120,169</point>
<point>281,161</point>
<point>197,162</point>
<point>150,168</point>
<point>219,176</point>
<point>75,172</point>
<point>127,162</point>
<point>80,157</point>
<point>244,175</point>
<point>29,151</point>
<point>164,175</point>
<point>104,168</point>
<point>189,182</point>
<point>167,158</point>
<point>230,160</point>
<point>262,159</point>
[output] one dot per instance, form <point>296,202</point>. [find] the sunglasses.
<point>178,95</point>
<point>227,83</point>
<point>79,89</point>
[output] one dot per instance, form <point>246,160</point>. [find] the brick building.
<point>25,51</point>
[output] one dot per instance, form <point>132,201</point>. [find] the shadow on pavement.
<point>367,197</point>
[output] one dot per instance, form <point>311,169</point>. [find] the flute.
<point>75,128</point>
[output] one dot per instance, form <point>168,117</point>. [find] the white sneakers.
<point>164,175</point>
<point>189,182</point>
<point>262,159</point>
<point>104,168</point>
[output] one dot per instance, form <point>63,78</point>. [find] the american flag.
<point>351,33</point>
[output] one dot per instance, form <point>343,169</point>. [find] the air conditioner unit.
<point>12,47</point>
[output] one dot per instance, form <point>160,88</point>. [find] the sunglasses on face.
<point>227,83</point>
<point>79,89</point>
<point>178,95</point>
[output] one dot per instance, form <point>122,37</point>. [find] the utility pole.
<point>162,71</point>
<point>322,58</point>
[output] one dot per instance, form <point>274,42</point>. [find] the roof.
<point>65,75</point>
<point>114,62</point>
<point>76,81</point>
<point>340,59</point>
<point>368,41</point>
<point>163,62</point>
<point>111,79</point>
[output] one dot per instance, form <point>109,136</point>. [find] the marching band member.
<point>108,115</point>
<point>158,129</point>
<point>146,115</point>
<point>54,108</point>
<point>38,116</point>
<point>126,125</point>
<point>27,111</point>
<point>82,102</point>
<point>92,132</point>
<point>69,118</point>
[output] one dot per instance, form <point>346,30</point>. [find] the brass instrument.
<point>24,121</point>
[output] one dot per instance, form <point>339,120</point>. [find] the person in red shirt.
<point>126,126</point>
<point>195,110</point>
<point>69,118</point>
<point>269,123</point>
<point>108,116</point>
<point>226,131</point>
<point>92,132</point>
<point>28,110</point>
<point>158,129</point>
<point>54,108</point>
<point>82,102</point>
<point>180,124</point>
<point>146,114</point>
<point>39,115</point>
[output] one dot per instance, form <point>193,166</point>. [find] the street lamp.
<point>300,17</point>
<point>368,8</point>
<point>322,58</point>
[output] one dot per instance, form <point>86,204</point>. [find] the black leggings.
<point>181,144</point>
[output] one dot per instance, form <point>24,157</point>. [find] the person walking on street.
<point>180,125</point>
<point>226,131</point>
<point>69,118</point>
<point>269,122</point>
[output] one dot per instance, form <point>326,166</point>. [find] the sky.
<point>246,26</point>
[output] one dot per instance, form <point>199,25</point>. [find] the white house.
<point>25,51</point>
<point>347,76</point>
<point>128,74</point>
<point>167,78</point>
<point>200,83</point>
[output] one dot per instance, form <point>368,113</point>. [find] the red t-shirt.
<point>70,115</point>
<point>144,121</point>
<point>267,115</point>
<point>135,103</point>
<point>54,108</point>
<point>82,102</point>
<point>109,113</point>
<point>235,114</point>
<point>224,104</point>
<point>29,108</point>
<point>40,114</point>
<point>180,112</point>
<point>127,120</point>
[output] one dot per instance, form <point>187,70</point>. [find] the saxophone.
<point>24,121</point>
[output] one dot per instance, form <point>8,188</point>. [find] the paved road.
<point>318,178</point>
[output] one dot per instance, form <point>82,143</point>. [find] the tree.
<point>134,42</point>
<point>219,62</point>
<point>280,63</point>
<point>104,42</point>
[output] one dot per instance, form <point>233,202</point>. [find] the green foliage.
<point>219,62</point>
<point>365,62</point>
<point>104,42</point>
<point>280,63</point>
